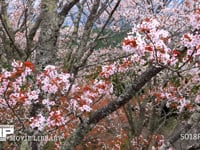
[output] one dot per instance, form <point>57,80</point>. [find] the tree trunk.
<point>49,26</point>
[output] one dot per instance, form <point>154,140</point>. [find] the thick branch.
<point>83,128</point>
<point>67,7</point>
<point>130,91</point>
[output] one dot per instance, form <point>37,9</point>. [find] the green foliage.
<point>6,66</point>
<point>114,39</point>
<point>94,74</point>
<point>24,145</point>
<point>48,146</point>
<point>195,89</point>
<point>118,85</point>
<point>124,145</point>
<point>175,81</point>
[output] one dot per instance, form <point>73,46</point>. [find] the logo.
<point>7,133</point>
<point>6,130</point>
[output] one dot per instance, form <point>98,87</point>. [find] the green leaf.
<point>195,89</point>
<point>175,81</point>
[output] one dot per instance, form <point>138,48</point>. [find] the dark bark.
<point>130,91</point>
<point>87,125</point>
<point>34,145</point>
<point>67,7</point>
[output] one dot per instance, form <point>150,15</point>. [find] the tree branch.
<point>87,125</point>
<point>66,8</point>
<point>130,91</point>
<point>8,29</point>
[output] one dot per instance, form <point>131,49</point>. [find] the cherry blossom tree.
<point>55,82</point>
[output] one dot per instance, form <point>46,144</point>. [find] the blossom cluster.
<point>12,84</point>
<point>18,88</point>
<point>51,81</point>
<point>116,67</point>
<point>87,94</point>
<point>38,122</point>
<point>150,42</point>
<point>23,86</point>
